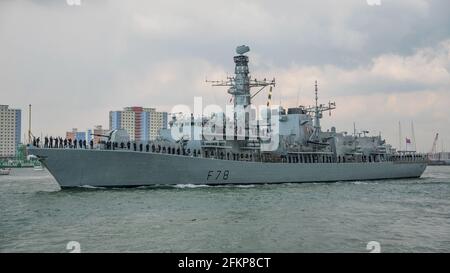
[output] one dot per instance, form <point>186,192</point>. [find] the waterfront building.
<point>142,124</point>
<point>75,134</point>
<point>10,130</point>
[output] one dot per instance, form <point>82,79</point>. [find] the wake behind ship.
<point>277,146</point>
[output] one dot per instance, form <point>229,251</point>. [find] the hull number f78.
<point>218,175</point>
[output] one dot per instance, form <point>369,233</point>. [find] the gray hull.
<point>102,168</point>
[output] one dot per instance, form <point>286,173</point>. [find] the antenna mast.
<point>317,98</point>
<point>317,110</point>
<point>239,87</point>
<point>29,124</point>
<point>241,83</point>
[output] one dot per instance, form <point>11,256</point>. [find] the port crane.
<point>434,147</point>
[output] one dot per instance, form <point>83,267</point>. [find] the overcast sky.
<point>381,64</point>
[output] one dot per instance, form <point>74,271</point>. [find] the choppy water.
<point>403,216</point>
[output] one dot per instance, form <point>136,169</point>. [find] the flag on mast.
<point>408,144</point>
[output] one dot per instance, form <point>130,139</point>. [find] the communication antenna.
<point>317,111</point>
<point>317,97</point>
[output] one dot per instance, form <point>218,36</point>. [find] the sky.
<point>381,64</point>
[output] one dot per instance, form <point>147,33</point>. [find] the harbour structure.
<point>436,158</point>
<point>440,158</point>
<point>277,145</point>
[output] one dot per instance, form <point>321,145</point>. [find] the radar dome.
<point>242,49</point>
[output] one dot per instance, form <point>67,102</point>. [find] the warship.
<point>242,146</point>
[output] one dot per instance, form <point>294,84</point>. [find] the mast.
<point>317,110</point>
<point>241,90</point>
<point>240,86</point>
<point>29,124</point>
<point>400,140</point>
<point>241,83</point>
<point>316,116</point>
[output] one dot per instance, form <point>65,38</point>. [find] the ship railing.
<point>409,157</point>
<point>255,148</point>
<point>216,146</point>
<point>309,157</point>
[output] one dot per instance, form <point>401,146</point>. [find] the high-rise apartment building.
<point>10,130</point>
<point>142,124</point>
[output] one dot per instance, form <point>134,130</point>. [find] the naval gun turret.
<point>114,136</point>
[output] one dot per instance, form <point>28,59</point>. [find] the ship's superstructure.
<point>298,133</point>
<point>246,145</point>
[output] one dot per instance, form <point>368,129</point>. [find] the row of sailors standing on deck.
<point>59,142</point>
<point>140,147</point>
